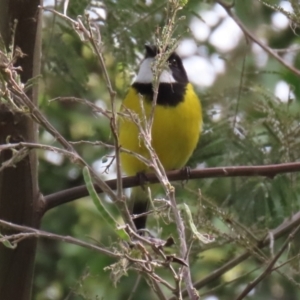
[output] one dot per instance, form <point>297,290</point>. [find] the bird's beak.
<point>151,50</point>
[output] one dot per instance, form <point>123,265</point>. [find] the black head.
<point>174,63</point>
<point>172,81</point>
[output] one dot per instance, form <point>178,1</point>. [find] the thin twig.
<point>239,93</point>
<point>88,34</point>
<point>40,119</point>
<point>31,232</point>
<point>105,112</point>
<point>97,46</point>
<point>276,233</point>
<point>248,34</point>
<point>22,99</point>
<point>166,45</point>
<point>138,280</point>
<point>269,268</point>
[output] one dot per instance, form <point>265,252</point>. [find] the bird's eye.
<point>173,62</point>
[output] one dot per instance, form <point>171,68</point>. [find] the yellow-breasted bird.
<point>176,125</point>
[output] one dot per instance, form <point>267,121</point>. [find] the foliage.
<point>245,123</point>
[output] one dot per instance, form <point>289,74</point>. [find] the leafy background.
<point>251,113</point>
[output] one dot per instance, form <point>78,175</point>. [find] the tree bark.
<point>19,193</point>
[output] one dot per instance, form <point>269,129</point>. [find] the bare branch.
<point>276,233</point>
<point>31,232</point>
<point>270,171</point>
<point>249,35</point>
<point>269,268</point>
<point>92,35</point>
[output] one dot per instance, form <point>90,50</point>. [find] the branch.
<point>274,234</point>
<point>22,99</point>
<point>29,232</point>
<point>268,269</point>
<point>270,171</point>
<point>86,34</point>
<point>248,34</point>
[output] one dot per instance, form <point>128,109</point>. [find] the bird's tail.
<point>140,204</point>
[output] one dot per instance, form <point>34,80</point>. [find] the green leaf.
<point>193,227</point>
<point>7,243</point>
<point>109,219</point>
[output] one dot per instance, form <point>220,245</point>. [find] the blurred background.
<point>251,117</point>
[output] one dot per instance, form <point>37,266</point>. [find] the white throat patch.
<point>145,73</point>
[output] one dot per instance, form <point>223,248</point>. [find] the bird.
<point>176,127</point>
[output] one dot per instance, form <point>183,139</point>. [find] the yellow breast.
<point>175,132</point>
